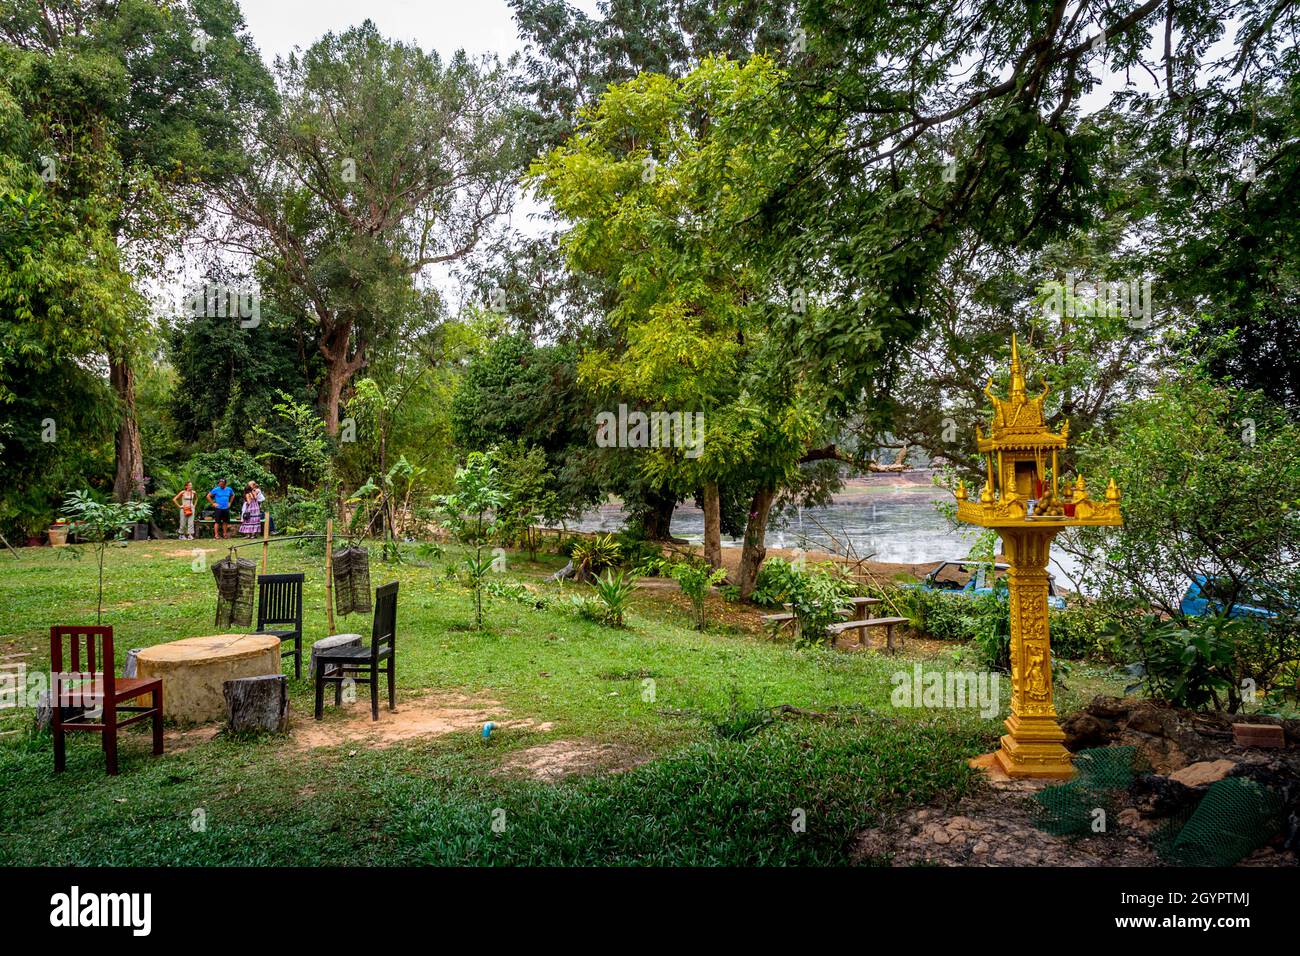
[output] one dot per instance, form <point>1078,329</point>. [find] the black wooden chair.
<point>279,602</point>
<point>338,665</point>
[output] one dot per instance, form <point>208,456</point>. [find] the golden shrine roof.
<point>1018,421</point>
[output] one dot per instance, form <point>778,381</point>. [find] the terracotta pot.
<point>58,535</point>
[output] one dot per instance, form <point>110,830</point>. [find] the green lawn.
<point>691,797</point>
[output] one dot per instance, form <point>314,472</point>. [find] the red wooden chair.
<point>98,690</point>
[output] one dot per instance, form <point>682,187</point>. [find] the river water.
<point>898,524</point>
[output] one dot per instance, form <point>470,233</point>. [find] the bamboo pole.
<point>266,540</point>
<point>329,575</point>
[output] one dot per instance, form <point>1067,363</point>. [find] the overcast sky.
<point>477,26</point>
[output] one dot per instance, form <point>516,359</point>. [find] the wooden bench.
<point>777,621</point>
<point>861,624</point>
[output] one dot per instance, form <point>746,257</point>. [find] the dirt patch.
<point>432,715</point>
<point>996,829</point>
<point>991,829</point>
<point>558,759</point>
<point>178,740</point>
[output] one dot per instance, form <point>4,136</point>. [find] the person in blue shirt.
<point>219,497</point>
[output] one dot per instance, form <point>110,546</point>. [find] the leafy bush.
<point>695,578</point>
<point>1212,661</point>
<point>1082,630</point>
<point>236,466</point>
<point>814,600</point>
<point>989,617</point>
<point>635,551</point>
<point>776,579</point>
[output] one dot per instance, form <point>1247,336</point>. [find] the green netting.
<point>1235,817</point>
<point>1070,809</point>
<point>236,579</point>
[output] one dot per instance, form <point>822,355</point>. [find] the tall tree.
<point>134,106</point>
<point>957,126</point>
<point>654,182</point>
<point>382,161</point>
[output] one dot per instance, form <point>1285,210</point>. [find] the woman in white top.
<point>184,500</point>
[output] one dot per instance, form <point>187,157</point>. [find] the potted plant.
<point>58,532</point>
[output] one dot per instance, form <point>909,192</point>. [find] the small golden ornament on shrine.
<point>1021,501</point>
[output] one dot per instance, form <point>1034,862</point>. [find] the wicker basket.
<point>236,582</point>
<point>352,581</point>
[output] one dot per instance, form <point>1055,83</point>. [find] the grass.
<point>712,786</point>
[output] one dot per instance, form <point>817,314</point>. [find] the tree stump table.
<point>194,671</point>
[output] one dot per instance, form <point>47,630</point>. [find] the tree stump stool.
<point>325,643</point>
<point>258,703</point>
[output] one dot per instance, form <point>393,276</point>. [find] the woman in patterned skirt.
<point>250,519</point>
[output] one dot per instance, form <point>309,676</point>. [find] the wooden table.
<point>862,603</point>
<point>194,670</point>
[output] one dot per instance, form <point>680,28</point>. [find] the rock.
<point>1157,796</point>
<point>939,835</point>
<point>1146,721</point>
<point>1110,708</point>
<point>257,703</point>
<point>980,847</point>
<point>1083,730</point>
<point>1203,773</point>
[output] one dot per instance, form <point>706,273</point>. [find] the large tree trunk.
<point>331,395</point>
<point>128,476</point>
<point>657,517</point>
<point>712,525</point>
<point>335,343</point>
<point>754,550</point>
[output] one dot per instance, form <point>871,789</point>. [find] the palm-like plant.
<point>615,592</point>
<point>592,557</point>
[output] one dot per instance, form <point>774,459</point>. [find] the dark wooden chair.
<point>95,696</point>
<point>340,664</point>
<point>279,602</point>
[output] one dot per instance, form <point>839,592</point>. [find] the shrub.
<point>1214,661</point>
<point>814,600</point>
<point>236,466</point>
<point>695,578</point>
<point>776,579</point>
